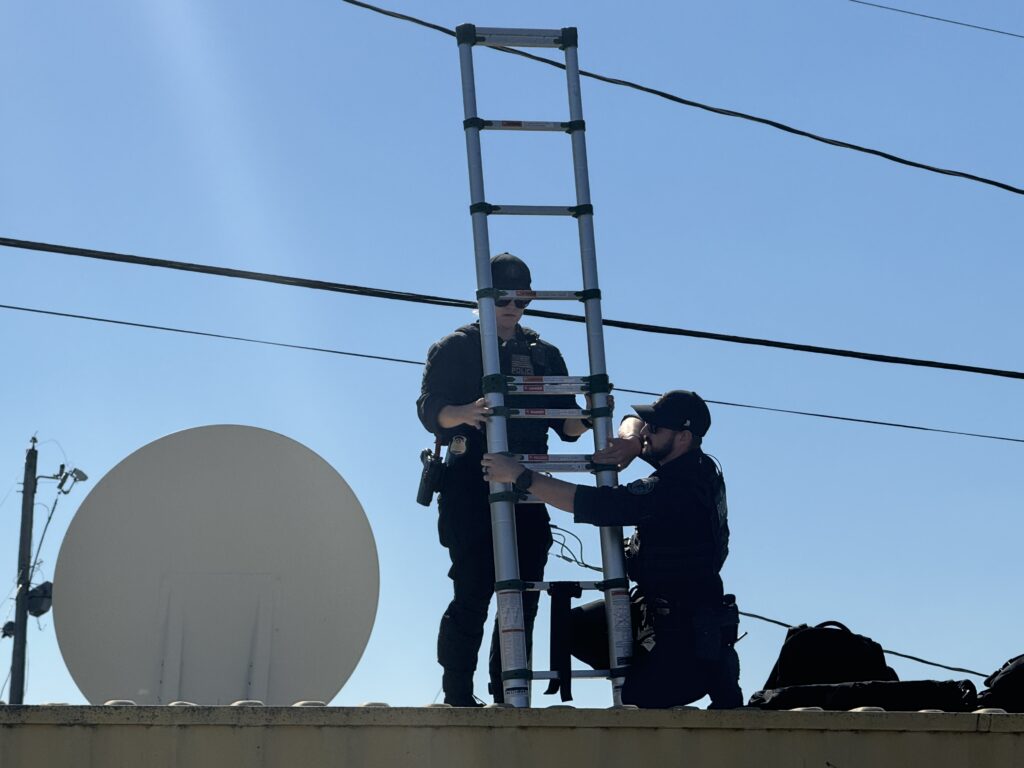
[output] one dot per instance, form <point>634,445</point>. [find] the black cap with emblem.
<point>679,409</point>
<point>510,273</point>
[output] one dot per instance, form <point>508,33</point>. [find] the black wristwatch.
<point>524,481</point>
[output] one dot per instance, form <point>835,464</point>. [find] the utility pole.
<point>28,502</point>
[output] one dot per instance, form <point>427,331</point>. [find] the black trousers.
<point>667,675</point>
<point>464,527</point>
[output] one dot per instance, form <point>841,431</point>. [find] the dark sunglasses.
<point>520,303</point>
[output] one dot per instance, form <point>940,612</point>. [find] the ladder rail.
<point>620,630</point>
<point>503,521</point>
<point>516,673</point>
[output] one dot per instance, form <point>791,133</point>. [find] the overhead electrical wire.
<point>709,108</point>
<point>938,18</point>
<point>380,293</point>
<point>42,538</point>
<point>250,340</point>
<point>818,415</point>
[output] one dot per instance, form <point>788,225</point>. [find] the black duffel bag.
<point>893,696</point>
<point>827,653</point>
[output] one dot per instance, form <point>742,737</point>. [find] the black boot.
<point>458,689</point>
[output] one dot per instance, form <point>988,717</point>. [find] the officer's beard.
<point>656,455</point>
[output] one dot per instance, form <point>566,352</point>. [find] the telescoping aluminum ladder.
<point>515,664</point>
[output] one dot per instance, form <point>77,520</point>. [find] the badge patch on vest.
<point>521,365</point>
<point>643,486</point>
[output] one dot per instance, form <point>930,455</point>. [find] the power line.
<point>567,554</point>
<point>852,419</point>
<point>207,334</point>
<point>709,108</point>
<point>42,538</point>
<point>884,650</point>
<point>419,298</point>
<point>938,18</point>
<point>249,340</point>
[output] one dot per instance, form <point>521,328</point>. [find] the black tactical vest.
<point>677,555</point>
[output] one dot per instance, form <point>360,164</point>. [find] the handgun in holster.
<point>432,475</point>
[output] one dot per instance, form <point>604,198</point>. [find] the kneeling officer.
<point>687,625</point>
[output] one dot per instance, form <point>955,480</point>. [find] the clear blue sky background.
<point>312,138</point>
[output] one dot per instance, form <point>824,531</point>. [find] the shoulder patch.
<point>643,486</point>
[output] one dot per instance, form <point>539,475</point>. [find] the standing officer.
<point>687,625</point>
<point>451,405</point>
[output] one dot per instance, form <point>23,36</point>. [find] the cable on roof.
<point>385,358</point>
<point>938,18</point>
<point>716,110</point>
<point>380,293</point>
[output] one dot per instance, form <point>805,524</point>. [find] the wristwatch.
<point>524,481</point>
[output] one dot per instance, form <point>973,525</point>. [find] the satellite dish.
<point>216,564</point>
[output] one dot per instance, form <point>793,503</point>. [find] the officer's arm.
<point>557,493</point>
<point>502,468</point>
<point>568,429</point>
<point>438,405</point>
<point>625,505</point>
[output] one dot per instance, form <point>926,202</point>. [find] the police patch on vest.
<point>642,487</point>
<point>522,365</point>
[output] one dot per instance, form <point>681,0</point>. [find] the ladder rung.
<point>543,586</point>
<point>533,210</point>
<point>565,462</point>
<point>540,295</point>
<point>576,673</point>
<point>547,413</point>
<point>524,125</point>
<point>552,458</point>
<point>519,38</point>
<point>548,385</point>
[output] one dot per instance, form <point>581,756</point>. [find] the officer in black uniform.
<point>451,406</point>
<point>685,624</point>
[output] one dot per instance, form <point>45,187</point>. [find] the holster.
<point>717,629</point>
<point>712,629</point>
<point>432,475</point>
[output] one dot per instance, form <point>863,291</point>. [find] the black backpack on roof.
<point>1005,687</point>
<point>827,653</point>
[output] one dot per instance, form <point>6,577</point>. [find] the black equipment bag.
<point>1005,687</point>
<point>827,653</point>
<point>893,696</point>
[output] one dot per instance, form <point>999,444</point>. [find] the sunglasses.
<point>520,303</point>
<point>653,430</point>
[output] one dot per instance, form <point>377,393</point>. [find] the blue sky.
<point>316,139</point>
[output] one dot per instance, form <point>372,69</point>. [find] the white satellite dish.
<point>216,564</point>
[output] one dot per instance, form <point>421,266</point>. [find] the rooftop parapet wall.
<point>287,737</point>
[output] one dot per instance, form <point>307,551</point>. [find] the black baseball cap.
<point>679,409</point>
<point>510,273</point>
